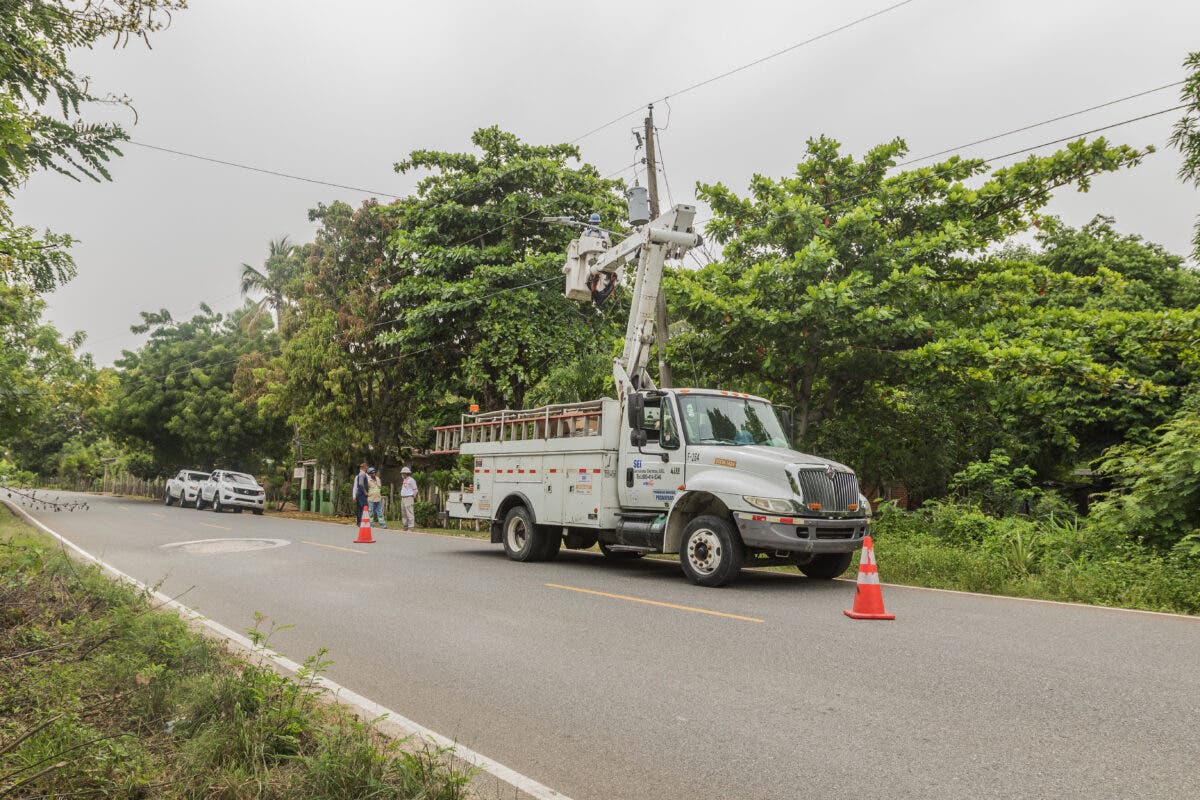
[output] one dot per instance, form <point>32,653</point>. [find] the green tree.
<point>44,385</point>
<point>36,40</point>
<point>478,288</point>
<point>189,395</point>
<point>344,391</point>
<point>1186,136</point>
<point>274,281</point>
<point>879,307</point>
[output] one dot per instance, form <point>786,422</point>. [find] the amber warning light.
<point>473,408</point>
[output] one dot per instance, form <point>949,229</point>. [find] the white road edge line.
<point>363,705</point>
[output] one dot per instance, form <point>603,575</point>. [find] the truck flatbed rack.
<point>560,421</point>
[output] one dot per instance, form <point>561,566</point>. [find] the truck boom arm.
<point>669,236</point>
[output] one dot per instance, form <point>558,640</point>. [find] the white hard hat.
<point>406,471</point>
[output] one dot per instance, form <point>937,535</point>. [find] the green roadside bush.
<point>956,545</point>
<point>103,696</point>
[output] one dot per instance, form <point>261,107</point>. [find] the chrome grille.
<point>834,490</point>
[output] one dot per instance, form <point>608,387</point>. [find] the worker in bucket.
<point>593,227</point>
<point>408,498</point>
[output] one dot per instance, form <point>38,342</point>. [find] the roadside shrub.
<point>106,696</point>
<point>426,514</point>
<point>954,545</point>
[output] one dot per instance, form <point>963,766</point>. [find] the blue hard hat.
<point>371,471</point>
<point>594,217</point>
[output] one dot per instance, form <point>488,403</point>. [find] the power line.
<point>922,176</point>
<point>1040,124</point>
<point>263,170</point>
<point>743,67</point>
<point>576,140</point>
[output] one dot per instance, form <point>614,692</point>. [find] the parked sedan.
<point>184,488</point>
<point>235,490</point>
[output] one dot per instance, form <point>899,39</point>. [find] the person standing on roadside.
<point>360,489</point>
<point>375,499</point>
<point>408,498</point>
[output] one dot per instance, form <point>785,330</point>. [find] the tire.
<point>167,498</point>
<point>216,503</point>
<point>711,552</point>
<point>258,512</point>
<point>619,555</point>
<point>199,501</point>
<point>522,539</point>
<point>827,566</point>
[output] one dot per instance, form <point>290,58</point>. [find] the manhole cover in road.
<point>213,546</point>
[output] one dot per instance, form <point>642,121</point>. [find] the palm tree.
<point>271,280</point>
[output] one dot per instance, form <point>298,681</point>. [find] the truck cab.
<point>717,472</point>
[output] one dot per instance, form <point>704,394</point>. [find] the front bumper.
<point>802,534</point>
<point>241,500</point>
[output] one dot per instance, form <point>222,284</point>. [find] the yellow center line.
<point>218,527</point>
<point>335,547</point>
<point>654,603</point>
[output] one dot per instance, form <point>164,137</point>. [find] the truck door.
<point>645,480</point>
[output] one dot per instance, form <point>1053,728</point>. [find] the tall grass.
<point>957,546</point>
<point>101,695</point>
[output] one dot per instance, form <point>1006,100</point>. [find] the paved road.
<point>602,698</point>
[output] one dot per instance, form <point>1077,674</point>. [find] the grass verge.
<point>102,695</point>
<point>956,546</point>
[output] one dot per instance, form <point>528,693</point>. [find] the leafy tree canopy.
<point>884,310</point>
<point>477,293</point>
<point>36,39</point>
<point>188,395</point>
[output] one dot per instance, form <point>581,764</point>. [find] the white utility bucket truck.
<point>704,473</point>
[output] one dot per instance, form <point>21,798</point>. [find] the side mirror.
<point>638,437</point>
<point>635,406</point>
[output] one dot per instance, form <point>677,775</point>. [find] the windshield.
<point>730,421</point>
<point>196,476</point>
<point>238,477</point>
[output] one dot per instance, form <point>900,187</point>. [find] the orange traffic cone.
<point>364,529</point>
<point>868,598</point>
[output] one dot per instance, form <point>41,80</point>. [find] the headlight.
<point>770,504</point>
<point>865,504</point>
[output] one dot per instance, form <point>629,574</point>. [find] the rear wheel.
<point>711,552</point>
<point>826,566</point>
<point>522,540</point>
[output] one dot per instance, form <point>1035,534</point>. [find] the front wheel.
<point>199,501</point>
<point>258,512</point>
<point>167,498</point>
<point>216,503</point>
<point>522,540</point>
<point>827,566</point>
<point>711,552</point>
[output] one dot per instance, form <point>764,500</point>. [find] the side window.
<point>651,421</point>
<point>668,434</point>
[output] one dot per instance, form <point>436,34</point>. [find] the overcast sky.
<point>341,91</point>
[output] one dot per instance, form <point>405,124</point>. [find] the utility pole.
<point>665,378</point>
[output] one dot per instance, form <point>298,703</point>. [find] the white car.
<point>184,488</point>
<point>236,490</point>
